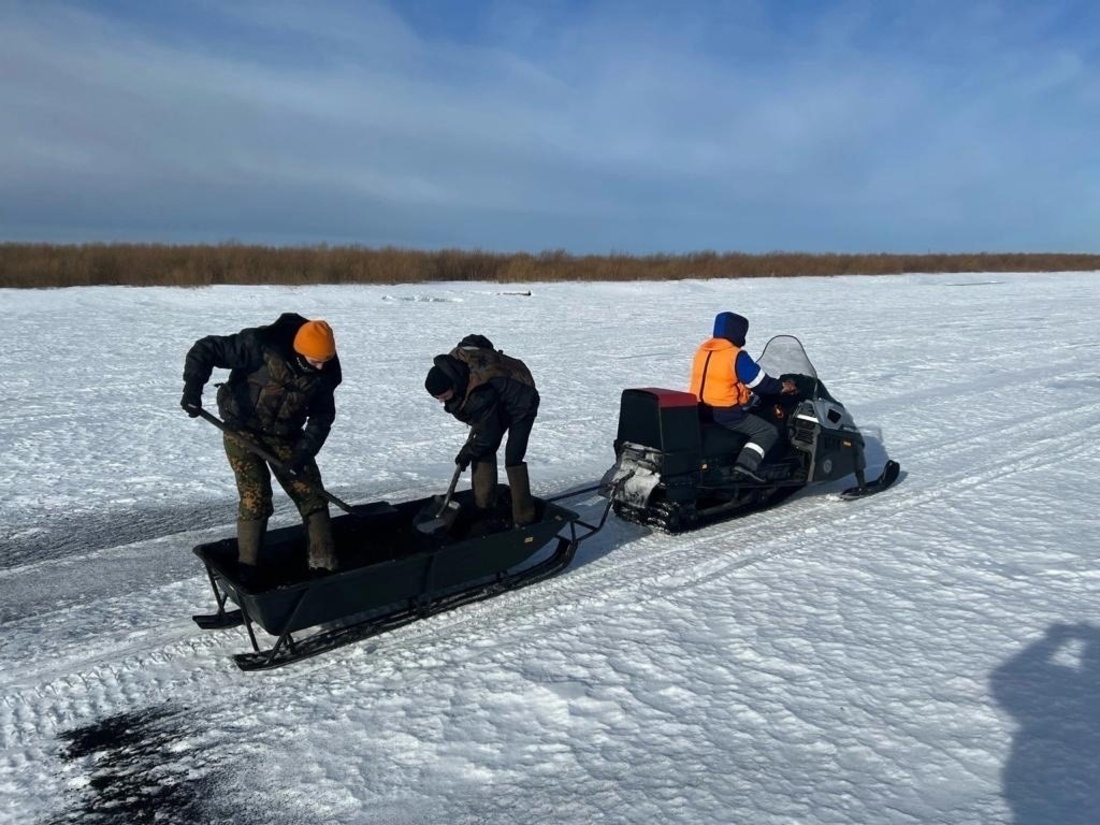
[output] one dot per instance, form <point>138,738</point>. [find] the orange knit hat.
<point>315,340</point>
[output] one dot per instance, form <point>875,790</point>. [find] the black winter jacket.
<point>270,390</point>
<point>491,409</point>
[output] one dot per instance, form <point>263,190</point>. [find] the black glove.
<point>192,399</point>
<point>299,459</point>
<point>464,457</point>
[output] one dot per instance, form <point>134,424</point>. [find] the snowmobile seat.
<point>720,441</point>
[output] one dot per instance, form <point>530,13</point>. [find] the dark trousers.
<point>762,436</point>
<point>519,433</point>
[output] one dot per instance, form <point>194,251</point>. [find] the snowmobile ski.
<point>886,478</point>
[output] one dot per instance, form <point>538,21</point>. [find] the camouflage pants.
<point>254,480</point>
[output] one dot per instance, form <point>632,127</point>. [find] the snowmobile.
<point>396,567</point>
<point>674,467</point>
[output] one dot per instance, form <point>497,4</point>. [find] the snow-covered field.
<point>929,655</point>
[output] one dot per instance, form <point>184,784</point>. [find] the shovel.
<point>253,447</point>
<point>440,513</point>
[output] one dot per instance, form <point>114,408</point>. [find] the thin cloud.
<point>851,126</point>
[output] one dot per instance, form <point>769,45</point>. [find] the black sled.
<point>391,573</point>
<point>674,466</point>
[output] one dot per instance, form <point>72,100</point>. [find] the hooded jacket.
<point>492,392</point>
<point>271,391</point>
<point>726,377</point>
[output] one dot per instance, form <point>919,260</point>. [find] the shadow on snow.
<point>1050,690</point>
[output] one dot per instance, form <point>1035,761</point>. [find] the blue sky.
<point>636,127</point>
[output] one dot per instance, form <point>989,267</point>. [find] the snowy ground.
<point>930,655</point>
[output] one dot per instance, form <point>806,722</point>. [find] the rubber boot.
<point>748,462</point>
<point>483,479</point>
<point>523,507</point>
<point>250,540</point>
<point>322,546</point>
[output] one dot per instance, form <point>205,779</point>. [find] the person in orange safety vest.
<point>727,379</point>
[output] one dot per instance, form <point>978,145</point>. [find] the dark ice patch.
<point>153,766</point>
<point>57,534</point>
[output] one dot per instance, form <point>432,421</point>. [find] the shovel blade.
<point>437,516</point>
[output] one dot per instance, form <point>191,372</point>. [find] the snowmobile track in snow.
<point>635,571</point>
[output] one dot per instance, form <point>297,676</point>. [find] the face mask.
<point>303,365</point>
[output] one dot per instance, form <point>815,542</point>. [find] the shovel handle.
<point>256,449</point>
<point>454,480</point>
<point>450,490</point>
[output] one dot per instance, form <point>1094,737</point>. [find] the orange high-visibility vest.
<point>714,375</point>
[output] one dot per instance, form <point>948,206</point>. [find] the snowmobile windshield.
<point>784,354</point>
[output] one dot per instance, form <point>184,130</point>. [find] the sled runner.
<point>674,467</point>
<point>390,573</point>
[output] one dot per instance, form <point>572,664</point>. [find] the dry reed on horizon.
<point>38,265</point>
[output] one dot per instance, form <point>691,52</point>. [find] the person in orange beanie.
<point>280,394</point>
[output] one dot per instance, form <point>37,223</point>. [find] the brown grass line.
<point>29,265</point>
